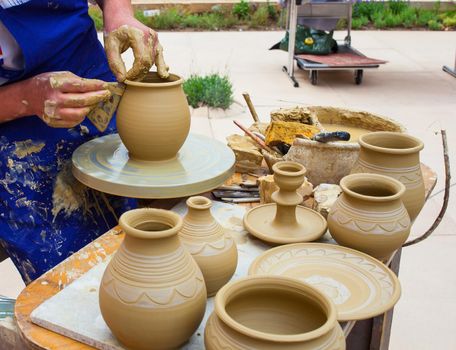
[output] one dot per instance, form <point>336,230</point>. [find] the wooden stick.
<point>259,141</point>
<point>251,108</point>
<point>446,196</point>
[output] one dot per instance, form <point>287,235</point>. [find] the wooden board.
<point>75,266</point>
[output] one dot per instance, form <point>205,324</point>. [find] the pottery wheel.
<point>201,165</point>
<point>360,286</point>
<point>259,222</point>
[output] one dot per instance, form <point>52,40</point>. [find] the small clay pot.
<point>152,294</point>
<point>153,118</point>
<point>272,313</point>
<point>369,215</point>
<point>395,155</point>
<point>212,246</point>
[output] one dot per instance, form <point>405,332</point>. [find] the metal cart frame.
<point>321,10</point>
<point>449,70</point>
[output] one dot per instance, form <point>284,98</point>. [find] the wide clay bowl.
<point>153,118</point>
<point>272,312</point>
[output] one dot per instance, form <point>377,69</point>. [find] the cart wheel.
<point>358,76</point>
<point>313,77</point>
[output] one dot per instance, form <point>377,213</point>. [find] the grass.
<point>211,90</point>
<point>366,15</point>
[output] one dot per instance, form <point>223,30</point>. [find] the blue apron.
<point>45,214</point>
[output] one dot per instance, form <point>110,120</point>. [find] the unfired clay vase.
<point>153,118</point>
<point>152,294</point>
<point>212,246</point>
<point>272,313</point>
<point>396,155</point>
<point>369,215</point>
<point>285,221</point>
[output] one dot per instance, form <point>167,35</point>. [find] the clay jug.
<point>396,155</point>
<point>153,118</point>
<point>152,294</point>
<point>369,215</point>
<point>272,313</point>
<point>212,246</point>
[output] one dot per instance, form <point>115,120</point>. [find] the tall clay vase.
<point>152,294</point>
<point>369,215</point>
<point>212,247</point>
<point>272,313</point>
<point>153,118</point>
<point>396,155</point>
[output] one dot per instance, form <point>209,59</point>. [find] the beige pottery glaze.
<point>212,246</point>
<point>153,118</point>
<point>395,155</point>
<point>369,216</point>
<point>152,294</point>
<point>272,313</point>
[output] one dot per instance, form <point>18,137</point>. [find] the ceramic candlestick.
<point>152,294</point>
<point>369,215</point>
<point>212,246</point>
<point>395,155</point>
<point>272,313</point>
<point>285,221</point>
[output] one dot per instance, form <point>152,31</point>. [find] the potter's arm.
<point>122,31</point>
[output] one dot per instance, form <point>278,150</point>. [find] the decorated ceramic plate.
<point>361,286</point>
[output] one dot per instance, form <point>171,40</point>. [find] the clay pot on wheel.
<point>272,313</point>
<point>369,215</point>
<point>395,155</point>
<point>212,246</point>
<point>152,294</point>
<point>153,118</point>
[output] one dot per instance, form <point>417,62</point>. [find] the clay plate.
<point>360,286</point>
<point>258,221</point>
<point>201,165</point>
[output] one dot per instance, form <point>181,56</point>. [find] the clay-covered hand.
<point>126,32</point>
<point>62,99</point>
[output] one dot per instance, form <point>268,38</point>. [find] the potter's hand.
<point>125,32</point>
<point>62,99</point>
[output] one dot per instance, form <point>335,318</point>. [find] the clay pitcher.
<point>212,246</point>
<point>396,155</point>
<point>152,294</point>
<point>272,313</point>
<point>369,215</point>
<point>153,118</point>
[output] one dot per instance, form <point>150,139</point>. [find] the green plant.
<point>272,11</point>
<point>167,19</point>
<point>449,21</point>
<point>379,21</point>
<point>397,6</point>
<point>434,25</point>
<point>358,23</point>
<point>408,17</point>
<point>97,17</point>
<point>260,18</point>
<point>211,90</point>
<point>424,16</point>
<point>242,9</point>
<point>369,9</point>
<point>392,21</point>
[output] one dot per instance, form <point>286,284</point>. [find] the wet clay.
<point>212,246</point>
<point>272,313</point>
<point>369,216</point>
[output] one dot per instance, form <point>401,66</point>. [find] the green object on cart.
<point>310,41</point>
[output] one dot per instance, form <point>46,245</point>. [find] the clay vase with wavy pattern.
<point>153,118</point>
<point>369,215</point>
<point>272,313</point>
<point>396,155</point>
<point>152,294</point>
<point>212,246</point>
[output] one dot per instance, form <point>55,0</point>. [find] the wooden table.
<point>369,334</point>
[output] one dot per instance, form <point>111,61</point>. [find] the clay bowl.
<point>330,162</point>
<point>153,118</point>
<point>272,312</point>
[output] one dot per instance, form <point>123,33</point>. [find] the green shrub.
<point>408,17</point>
<point>97,17</point>
<point>449,21</point>
<point>424,16</point>
<point>210,90</point>
<point>392,21</point>
<point>359,22</point>
<point>368,9</point>
<point>397,6</point>
<point>379,21</point>
<point>272,11</point>
<point>241,10</point>
<point>434,25</point>
<point>261,17</point>
<point>167,19</point>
